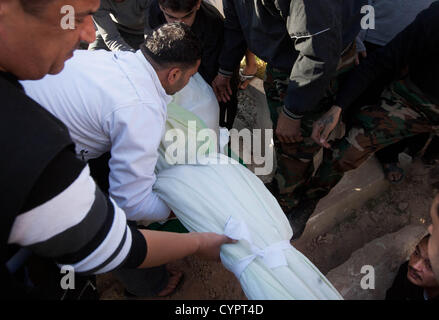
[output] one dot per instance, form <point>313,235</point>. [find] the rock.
<point>384,255</point>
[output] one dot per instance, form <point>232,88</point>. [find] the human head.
<point>175,53</point>
<point>180,10</point>
<point>420,271</point>
<point>35,42</point>
<point>433,243</point>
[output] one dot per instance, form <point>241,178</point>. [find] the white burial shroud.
<point>229,199</point>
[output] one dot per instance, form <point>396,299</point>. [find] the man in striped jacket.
<point>49,203</point>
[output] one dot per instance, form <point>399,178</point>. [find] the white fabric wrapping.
<point>198,97</point>
<point>229,198</point>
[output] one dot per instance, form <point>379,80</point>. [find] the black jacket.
<point>30,138</point>
<point>416,47</point>
<point>403,289</point>
<point>303,37</point>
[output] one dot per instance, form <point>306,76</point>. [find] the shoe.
<point>298,217</point>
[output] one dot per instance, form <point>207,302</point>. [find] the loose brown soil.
<point>405,203</point>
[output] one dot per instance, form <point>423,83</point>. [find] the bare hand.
<point>324,126</point>
<point>210,244</point>
<point>357,57</point>
<point>221,87</point>
<point>288,130</point>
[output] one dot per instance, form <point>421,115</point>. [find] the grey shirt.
<point>391,17</point>
<point>127,16</point>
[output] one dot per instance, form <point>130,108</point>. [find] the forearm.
<point>135,133</point>
<point>76,224</point>
<point>109,32</point>
<point>318,40</point>
<point>164,247</point>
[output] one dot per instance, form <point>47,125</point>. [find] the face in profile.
<point>38,39</point>
<point>420,271</point>
<point>433,244</point>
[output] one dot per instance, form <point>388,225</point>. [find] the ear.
<point>174,75</point>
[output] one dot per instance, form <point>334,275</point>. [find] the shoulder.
<point>21,114</point>
<point>211,14</point>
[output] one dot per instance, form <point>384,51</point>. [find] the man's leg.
<point>229,109</point>
<point>375,127</point>
<point>149,282</point>
<point>143,282</point>
<point>294,160</point>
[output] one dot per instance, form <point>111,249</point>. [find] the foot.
<point>393,172</point>
<point>175,279</point>
<point>298,217</point>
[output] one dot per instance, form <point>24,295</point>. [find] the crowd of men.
<point>62,110</point>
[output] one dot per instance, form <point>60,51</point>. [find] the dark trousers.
<point>390,154</point>
<point>229,109</point>
<point>397,116</point>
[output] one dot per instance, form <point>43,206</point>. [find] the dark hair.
<point>172,44</point>
<point>34,7</point>
<point>178,5</point>
<point>425,238</point>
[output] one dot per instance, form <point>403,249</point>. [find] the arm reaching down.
<point>135,133</point>
<point>69,219</point>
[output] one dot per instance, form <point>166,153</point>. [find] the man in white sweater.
<point>117,101</point>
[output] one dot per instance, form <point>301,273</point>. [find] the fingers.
<point>224,95</point>
<point>316,131</point>
<point>320,134</point>
<point>229,240</point>
<point>216,91</point>
<point>221,88</point>
<point>210,244</point>
<point>324,137</point>
<point>229,89</point>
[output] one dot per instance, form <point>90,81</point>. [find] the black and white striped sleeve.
<point>69,219</point>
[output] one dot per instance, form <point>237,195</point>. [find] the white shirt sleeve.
<point>135,133</point>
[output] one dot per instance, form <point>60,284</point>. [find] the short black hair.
<point>172,44</point>
<point>178,5</point>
